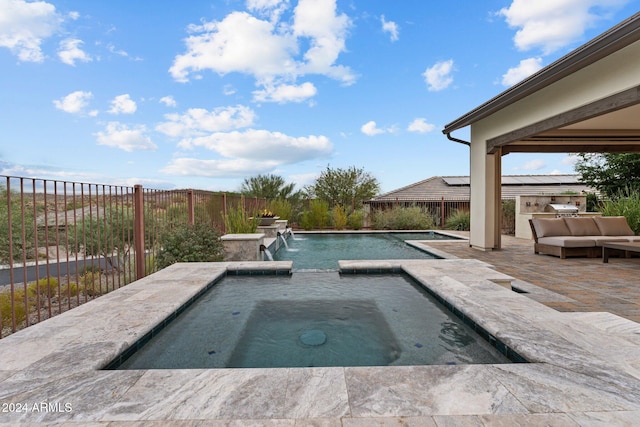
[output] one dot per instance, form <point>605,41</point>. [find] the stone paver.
<point>588,282</point>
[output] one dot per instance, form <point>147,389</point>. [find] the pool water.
<point>314,319</point>
<point>322,251</point>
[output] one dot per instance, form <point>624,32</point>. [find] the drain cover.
<point>313,337</point>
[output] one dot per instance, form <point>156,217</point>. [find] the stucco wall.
<point>613,74</point>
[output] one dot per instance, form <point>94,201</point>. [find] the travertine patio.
<point>584,370</point>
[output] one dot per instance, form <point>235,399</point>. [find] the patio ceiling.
<point>608,125</point>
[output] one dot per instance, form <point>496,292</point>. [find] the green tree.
<point>610,173</point>
<point>105,232</point>
<point>345,187</point>
<point>269,186</point>
<point>21,221</point>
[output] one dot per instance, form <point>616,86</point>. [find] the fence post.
<point>138,230</point>
<point>442,212</point>
<point>190,204</point>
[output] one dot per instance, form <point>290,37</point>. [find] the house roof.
<point>457,188</point>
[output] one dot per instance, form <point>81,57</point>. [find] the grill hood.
<point>561,208</point>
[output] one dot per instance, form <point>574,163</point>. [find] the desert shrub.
<point>70,290</point>
<point>189,243</point>
<point>355,220</point>
<point>626,204</point>
<point>7,304</point>
<point>317,216</point>
<point>92,283</point>
<point>281,208</point>
<point>235,221</point>
<point>46,287</point>
<point>459,220</point>
<point>338,217</point>
<point>402,218</point>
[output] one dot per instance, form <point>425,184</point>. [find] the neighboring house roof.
<point>457,188</point>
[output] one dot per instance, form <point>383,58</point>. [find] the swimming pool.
<point>314,319</point>
<point>323,250</point>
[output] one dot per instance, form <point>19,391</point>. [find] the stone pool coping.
<point>585,366</point>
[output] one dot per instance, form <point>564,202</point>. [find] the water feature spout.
<point>284,240</point>
<point>293,236</point>
<point>267,252</point>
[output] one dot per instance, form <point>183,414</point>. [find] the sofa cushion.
<point>567,241</point>
<point>613,226</point>
<point>603,239</point>
<point>582,226</point>
<point>546,227</point>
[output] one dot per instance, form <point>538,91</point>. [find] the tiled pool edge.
<point>496,343</point>
<point>236,269</point>
<point>344,395</point>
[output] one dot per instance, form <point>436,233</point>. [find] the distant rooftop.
<point>457,188</point>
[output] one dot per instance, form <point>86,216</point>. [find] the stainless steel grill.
<point>562,209</point>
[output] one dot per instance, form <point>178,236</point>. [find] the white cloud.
<point>123,104</point>
<point>125,138</point>
<point>285,93</point>
<point>69,52</point>
<point>168,101</point>
<point>327,32</point>
<point>249,153</point>
<point>25,25</point>
<point>570,159</point>
<point>186,166</point>
<point>438,77</point>
<point>199,121</point>
<point>270,51</point>
<point>371,129</point>
<point>551,25</point>
<point>526,68</point>
<point>238,43</point>
<point>73,103</point>
<point>265,146</point>
<point>390,27</point>
<point>271,8</point>
<point>303,179</point>
<point>111,48</point>
<point>533,165</point>
<point>420,125</point>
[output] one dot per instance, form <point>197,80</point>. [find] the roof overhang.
<point>608,125</point>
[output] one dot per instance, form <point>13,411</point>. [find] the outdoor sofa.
<point>579,236</point>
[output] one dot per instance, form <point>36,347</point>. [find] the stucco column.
<point>486,179</point>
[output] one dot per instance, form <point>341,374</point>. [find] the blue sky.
<point>201,94</point>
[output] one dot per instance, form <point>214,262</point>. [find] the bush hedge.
<point>190,243</point>
<point>402,218</point>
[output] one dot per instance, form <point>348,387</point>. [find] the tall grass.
<point>459,220</point>
<point>339,217</point>
<point>237,221</point>
<point>626,204</point>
